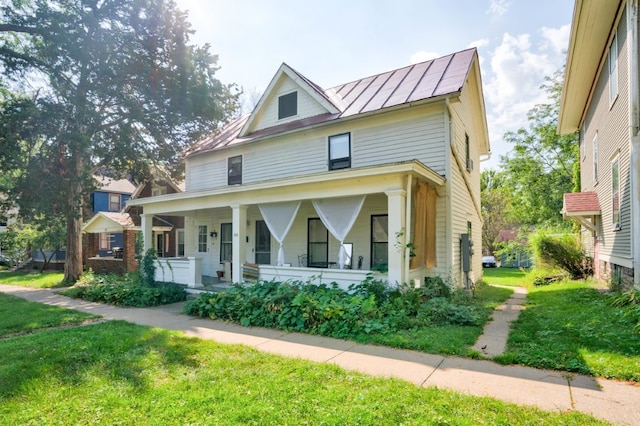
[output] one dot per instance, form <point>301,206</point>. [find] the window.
<point>613,68</point>
<point>379,242</point>
<point>235,170</point>
<point>114,202</point>
<point>157,190</point>
<point>202,238</point>
<point>180,237</point>
<point>340,151</point>
<point>226,242</point>
<point>317,244</point>
<point>105,239</point>
<point>467,153</point>
<point>288,105</point>
<point>263,243</point>
<point>595,159</point>
<point>615,192</point>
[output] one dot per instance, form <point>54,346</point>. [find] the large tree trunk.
<point>73,262</point>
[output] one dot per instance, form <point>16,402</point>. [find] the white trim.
<point>627,262</point>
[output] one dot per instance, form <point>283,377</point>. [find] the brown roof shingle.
<point>576,203</point>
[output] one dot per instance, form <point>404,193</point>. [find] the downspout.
<point>634,106</point>
<point>449,219</point>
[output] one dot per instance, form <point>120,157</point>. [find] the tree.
<point>109,84</point>
<point>496,214</point>
<point>540,169</point>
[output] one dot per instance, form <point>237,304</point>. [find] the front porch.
<point>339,227</point>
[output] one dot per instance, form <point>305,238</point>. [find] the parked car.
<point>489,262</point>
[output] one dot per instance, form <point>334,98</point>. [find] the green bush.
<point>124,290</point>
<point>629,302</point>
<point>561,251</point>
<point>368,307</point>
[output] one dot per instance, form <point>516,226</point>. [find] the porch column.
<point>146,222</point>
<point>239,228</point>
<point>396,205</point>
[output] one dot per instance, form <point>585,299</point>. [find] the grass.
<point>20,316</point>
<point>570,326</point>
<point>120,373</point>
<point>513,277</point>
<point>447,339</point>
<point>32,279</point>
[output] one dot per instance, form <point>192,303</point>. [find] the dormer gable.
<point>289,97</point>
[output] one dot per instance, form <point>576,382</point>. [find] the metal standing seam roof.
<point>417,82</point>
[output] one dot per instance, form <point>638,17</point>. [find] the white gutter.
<point>449,185</point>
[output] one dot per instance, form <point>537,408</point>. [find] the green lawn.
<point>570,326</point>
<point>32,279</point>
<point>120,373</point>
<point>504,276</point>
<point>20,316</point>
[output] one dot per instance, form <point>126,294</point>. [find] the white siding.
<point>610,121</point>
<point>383,139</point>
<point>307,106</point>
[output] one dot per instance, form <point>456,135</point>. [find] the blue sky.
<point>332,42</point>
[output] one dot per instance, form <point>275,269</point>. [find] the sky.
<point>331,42</point>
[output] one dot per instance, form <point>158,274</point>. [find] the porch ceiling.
<point>356,181</point>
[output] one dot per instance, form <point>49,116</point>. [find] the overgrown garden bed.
<point>368,312</point>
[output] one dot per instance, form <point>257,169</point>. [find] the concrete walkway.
<point>493,340</point>
<point>616,402</point>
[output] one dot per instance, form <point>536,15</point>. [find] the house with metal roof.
<point>601,100</point>
<point>376,176</point>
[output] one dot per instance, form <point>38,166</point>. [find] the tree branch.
<point>20,29</point>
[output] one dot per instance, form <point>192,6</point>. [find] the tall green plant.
<point>147,267</point>
<point>562,251</point>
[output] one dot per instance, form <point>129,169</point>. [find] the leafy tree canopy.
<point>98,84</point>
<point>540,167</point>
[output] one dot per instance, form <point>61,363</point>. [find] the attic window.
<point>288,105</point>
<point>158,190</point>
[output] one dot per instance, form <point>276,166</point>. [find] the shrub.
<point>124,290</point>
<point>562,251</point>
<point>629,302</point>
<point>368,307</point>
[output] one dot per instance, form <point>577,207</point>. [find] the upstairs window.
<point>615,193</point>
<point>595,159</point>
<point>235,170</point>
<point>114,202</point>
<point>467,153</point>
<point>613,68</point>
<point>340,151</point>
<point>288,105</point>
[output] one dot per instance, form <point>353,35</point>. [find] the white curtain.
<point>279,218</point>
<point>339,215</point>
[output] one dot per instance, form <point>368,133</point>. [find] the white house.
<point>601,100</point>
<point>379,174</point>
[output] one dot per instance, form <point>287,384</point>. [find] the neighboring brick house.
<point>119,228</point>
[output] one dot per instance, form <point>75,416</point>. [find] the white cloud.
<point>423,56</point>
<point>479,43</point>
<point>498,7</point>
<point>558,38</point>
<point>516,70</point>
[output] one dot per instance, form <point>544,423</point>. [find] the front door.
<point>263,243</point>
<point>160,244</point>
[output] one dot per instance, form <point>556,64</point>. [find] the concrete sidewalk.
<point>616,402</point>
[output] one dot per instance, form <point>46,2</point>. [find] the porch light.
<point>213,234</point>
